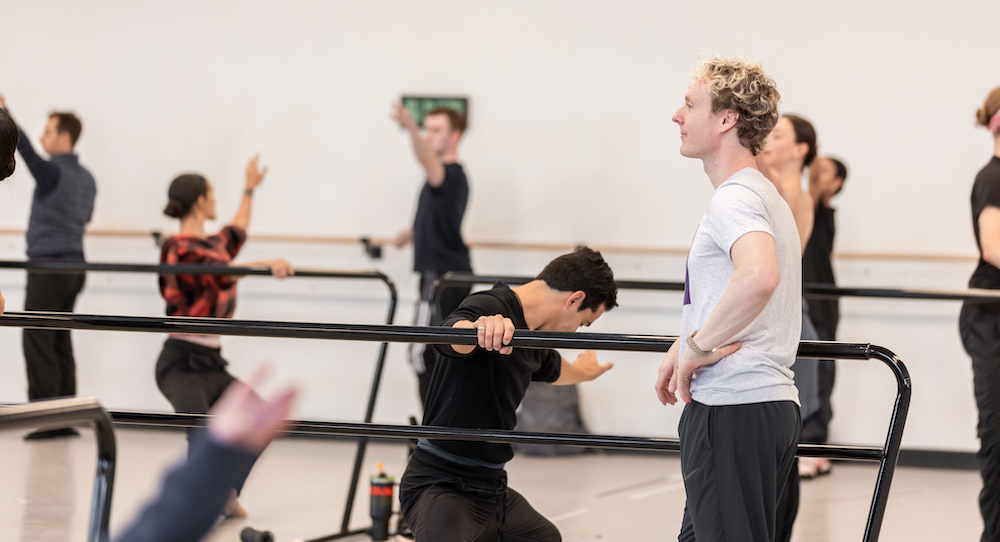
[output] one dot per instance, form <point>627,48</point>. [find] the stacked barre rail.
<point>887,455</point>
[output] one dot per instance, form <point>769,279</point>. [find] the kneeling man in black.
<point>455,490</point>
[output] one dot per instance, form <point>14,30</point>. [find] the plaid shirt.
<point>201,295</point>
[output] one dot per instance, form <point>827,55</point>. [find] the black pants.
<point>445,502</point>
<point>980,329</point>
<point>192,377</point>
<point>430,313</point>
<point>816,428</point>
<point>735,460</point>
<point>48,353</point>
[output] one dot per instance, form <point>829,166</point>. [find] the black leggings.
<point>980,329</point>
<point>192,377</point>
<point>444,501</point>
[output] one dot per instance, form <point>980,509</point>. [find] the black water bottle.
<point>381,491</point>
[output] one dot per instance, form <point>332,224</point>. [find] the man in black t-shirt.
<point>437,228</point>
<point>454,490</point>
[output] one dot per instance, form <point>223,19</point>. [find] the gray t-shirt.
<point>760,370</point>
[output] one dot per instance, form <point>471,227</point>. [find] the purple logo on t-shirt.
<point>687,285</point>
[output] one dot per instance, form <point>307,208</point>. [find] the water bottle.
<point>381,491</point>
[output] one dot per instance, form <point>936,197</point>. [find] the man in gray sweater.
<point>62,205</point>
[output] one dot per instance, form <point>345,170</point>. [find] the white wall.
<point>570,142</point>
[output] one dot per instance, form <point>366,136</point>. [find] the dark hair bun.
<point>175,209</point>
<point>7,170</point>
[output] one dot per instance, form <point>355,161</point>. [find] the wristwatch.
<point>694,347</point>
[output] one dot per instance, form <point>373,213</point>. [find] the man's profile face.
<point>699,125</point>
<point>439,135</point>
<point>570,319</point>
<point>53,141</point>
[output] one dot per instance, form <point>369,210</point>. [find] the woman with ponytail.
<point>191,372</point>
<point>979,325</point>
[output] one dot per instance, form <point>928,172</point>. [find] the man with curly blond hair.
<point>741,319</point>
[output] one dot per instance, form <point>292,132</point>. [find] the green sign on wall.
<point>419,106</point>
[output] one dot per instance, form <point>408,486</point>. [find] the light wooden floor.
<point>299,487</point>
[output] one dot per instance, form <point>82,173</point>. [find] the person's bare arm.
<point>803,211</point>
<point>989,234</point>
<point>584,369</point>
<point>426,156</point>
<point>756,276</point>
<point>254,177</point>
<point>403,238</point>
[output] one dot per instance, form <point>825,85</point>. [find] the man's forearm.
<point>743,300</point>
<point>428,160</point>
<point>569,374</point>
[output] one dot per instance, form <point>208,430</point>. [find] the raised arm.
<point>426,156</point>
<point>45,173</point>
<point>194,493</point>
<point>254,177</point>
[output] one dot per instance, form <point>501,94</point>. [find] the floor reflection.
<point>50,493</point>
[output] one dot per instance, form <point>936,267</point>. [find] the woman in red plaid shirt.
<point>191,372</point>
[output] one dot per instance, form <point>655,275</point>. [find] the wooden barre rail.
<point>511,245</point>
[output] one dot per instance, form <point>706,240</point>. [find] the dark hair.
<point>583,270</point>
<point>68,123</point>
<point>804,133</point>
<point>841,172</point>
<point>8,144</point>
<point>184,192</point>
<point>455,120</point>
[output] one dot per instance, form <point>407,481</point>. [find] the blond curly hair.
<point>741,85</point>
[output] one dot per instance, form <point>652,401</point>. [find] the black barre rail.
<point>59,267</point>
<point>887,455</point>
<point>63,411</point>
<point>411,432</point>
<point>809,289</point>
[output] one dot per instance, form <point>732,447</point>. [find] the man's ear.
<point>576,299</point>
<point>729,120</point>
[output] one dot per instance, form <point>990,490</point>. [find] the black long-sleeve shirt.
<point>46,173</point>
<point>192,496</point>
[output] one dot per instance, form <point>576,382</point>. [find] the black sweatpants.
<point>979,326</point>
<point>48,353</point>
<point>735,460</point>
<point>816,428</point>
<point>443,501</point>
<point>430,313</point>
<point>192,377</point>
